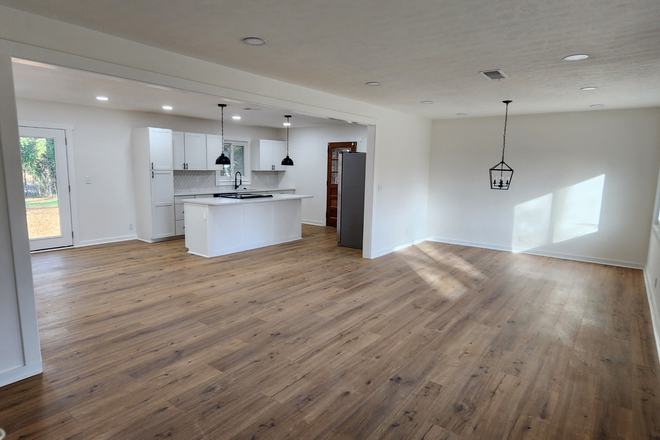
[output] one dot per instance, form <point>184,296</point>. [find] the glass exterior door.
<point>46,187</point>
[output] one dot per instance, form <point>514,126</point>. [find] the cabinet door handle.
<point>152,174</point>
<point>152,165</point>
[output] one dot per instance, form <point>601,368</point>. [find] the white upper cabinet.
<point>178,151</point>
<point>213,150</point>
<point>195,151</point>
<point>268,155</point>
<point>189,151</point>
<point>160,148</point>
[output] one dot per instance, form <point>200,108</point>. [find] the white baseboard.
<point>313,223</point>
<point>559,255</point>
<point>20,373</point>
<point>84,243</point>
<point>403,245</point>
<point>655,319</point>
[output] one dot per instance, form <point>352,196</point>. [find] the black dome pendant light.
<point>501,174</point>
<point>287,161</point>
<point>222,159</point>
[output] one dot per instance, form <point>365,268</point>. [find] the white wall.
<point>102,151</point>
<point>401,183</point>
<point>564,163</point>
<point>308,147</point>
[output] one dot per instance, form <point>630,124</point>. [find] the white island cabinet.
<point>220,226</point>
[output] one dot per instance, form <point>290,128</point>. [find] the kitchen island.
<point>220,226</point>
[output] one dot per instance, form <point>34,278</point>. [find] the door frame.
<point>70,163</point>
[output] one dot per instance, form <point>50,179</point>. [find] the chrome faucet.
<point>238,181</point>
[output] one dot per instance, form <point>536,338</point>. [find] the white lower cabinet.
<point>180,227</point>
<point>179,215</point>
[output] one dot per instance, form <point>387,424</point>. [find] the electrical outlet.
<point>380,187</point>
<point>521,239</point>
<point>88,180</point>
<point>407,231</point>
<point>130,226</point>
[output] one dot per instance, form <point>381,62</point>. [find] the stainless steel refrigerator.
<point>350,199</point>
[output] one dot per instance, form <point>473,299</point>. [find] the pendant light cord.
<point>222,124</point>
<point>287,137</point>
<point>506,117</point>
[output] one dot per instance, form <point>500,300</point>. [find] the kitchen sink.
<point>244,196</point>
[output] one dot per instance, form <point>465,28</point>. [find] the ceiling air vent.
<point>494,74</point>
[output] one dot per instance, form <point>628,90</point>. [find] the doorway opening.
<point>332,183</point>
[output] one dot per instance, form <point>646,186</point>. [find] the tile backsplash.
<point>206,180</point>
<point>191,180</point>
<point>265,179</point>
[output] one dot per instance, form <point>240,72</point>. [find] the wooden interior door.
<point>334,149</point>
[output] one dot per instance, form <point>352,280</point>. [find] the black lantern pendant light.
<point>501,174</point>
<point>222,159</point>
<point>287,161</point>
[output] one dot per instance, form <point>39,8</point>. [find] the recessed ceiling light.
<point>254,41</point>
<point>102,98</point>
<point>427,102</point>
<point>373,83</point>
<point>154,86</point>
<point>576,57</point>
<point>586,89</point>
<point>596,105</point>
<point>236,118</point>
<point>167,107</point>
<point>461,114</point>
<point>286,124</point>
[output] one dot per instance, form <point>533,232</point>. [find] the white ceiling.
<point>60,84</point>
<point>418,49</point>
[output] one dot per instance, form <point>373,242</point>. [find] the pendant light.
<point>222,159</point>
<point>287,161</point>
<point>501,174</point>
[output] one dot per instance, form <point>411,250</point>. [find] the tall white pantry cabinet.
<point>153,174</point>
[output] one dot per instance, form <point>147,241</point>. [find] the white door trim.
<point>13,219</point>
<point>73,195</point>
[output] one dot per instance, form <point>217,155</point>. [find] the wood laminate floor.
<point>307,340</point>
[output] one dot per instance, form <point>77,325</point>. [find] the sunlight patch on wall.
<point>577,209</point>
<point>532,223</point>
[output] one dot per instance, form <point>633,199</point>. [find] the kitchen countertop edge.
<point>224,191</point>
<point>220,201</point>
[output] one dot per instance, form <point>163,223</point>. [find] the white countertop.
<point>220,201</point>
<point>195,192</point>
